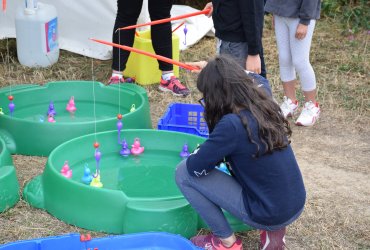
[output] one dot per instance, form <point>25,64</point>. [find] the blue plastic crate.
<point>185,118</point>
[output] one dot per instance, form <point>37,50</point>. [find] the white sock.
<point>167,75</point>
<point>117,74</point>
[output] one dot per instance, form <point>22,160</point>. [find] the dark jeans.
<point>239,51</point>
<point>208,194</point>
<point>128,12</point>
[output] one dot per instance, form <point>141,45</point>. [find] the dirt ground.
<point>334,155</point>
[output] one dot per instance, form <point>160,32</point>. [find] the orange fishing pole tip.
<point>165,20</point>
<point>162,58</point>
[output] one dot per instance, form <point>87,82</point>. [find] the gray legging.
<point>208,194</point>
<point>294,54</point>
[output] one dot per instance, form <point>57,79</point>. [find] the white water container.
<point>36,27</point>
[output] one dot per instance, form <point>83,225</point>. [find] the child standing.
<point>294,22</point>
<point>127,14</point>
<point>239,25</point>
<point>266,189</point>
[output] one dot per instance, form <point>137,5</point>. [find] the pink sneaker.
<point>174,85</point>
<point>116,80</point>
<point>272,240</point>
<point>211,242</point>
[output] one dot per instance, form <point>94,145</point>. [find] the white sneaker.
<point>288,107</point>
<point>310,114</point>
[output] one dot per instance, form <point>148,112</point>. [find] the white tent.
<point>82,19</point>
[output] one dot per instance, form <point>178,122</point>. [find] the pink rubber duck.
<point>51,118</point>
<point>66,171</point>
<point>71,107</point>
<point>136,148</point>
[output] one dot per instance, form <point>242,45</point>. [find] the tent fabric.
<point>80,20</point>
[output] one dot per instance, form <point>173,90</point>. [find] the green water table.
<point>139,193</point>
<point>27,131</point>
<point>9,187</point>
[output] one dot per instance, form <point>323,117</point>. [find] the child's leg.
<point>301,59</point>
<point>127,14</point>
<point>161,33</point>
<point>287,72</point>
<point>310,96</point>
<point>289,90</point>
<point>208,194</point>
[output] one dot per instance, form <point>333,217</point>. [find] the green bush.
<point>353,14</point>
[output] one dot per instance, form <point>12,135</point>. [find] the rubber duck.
<point>87,177</point>
<point>125,151</point>
<point>11,107</point>
<point>185,151</point>
<point>96,182</point>
<point>66,171</point>
<point>223,168</point>
<point>136,149</point>
<point>11,104</point>
<point>51,118</point>
<point>132,108</point>
<point>71,107</point>
<point>51,110</point>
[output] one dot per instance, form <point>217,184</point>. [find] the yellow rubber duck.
<point>132,108</point>
<point>96,182</point>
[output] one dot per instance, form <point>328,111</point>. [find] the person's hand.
<point>253,63</point>
<point>301,32</point>
<point>209,6</point>
<point>200,65</point>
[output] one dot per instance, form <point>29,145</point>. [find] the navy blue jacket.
<point>272,184</point>
<point>239,21</point>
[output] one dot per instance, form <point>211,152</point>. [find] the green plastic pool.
<point>139,193</point>
<point>9,187</point>
<point>27,130</point>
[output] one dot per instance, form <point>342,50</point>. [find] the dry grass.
<point>333,155</point>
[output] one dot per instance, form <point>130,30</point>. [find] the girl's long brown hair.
<point>228,89</point>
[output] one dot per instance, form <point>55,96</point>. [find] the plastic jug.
<point>36,27</point>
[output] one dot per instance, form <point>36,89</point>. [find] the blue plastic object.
<point>185,118</point>
<point>151,240</point>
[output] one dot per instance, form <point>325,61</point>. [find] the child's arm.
<point>252,14</point>
<point>306,11</point>
<point>305,14</point>
<point>253,63</point>
<point>200,65</point>
<point>209,6</point>
<point>301,31</point>
<point>222,142</point>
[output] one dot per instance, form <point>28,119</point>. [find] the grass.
<point>333,155</point>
